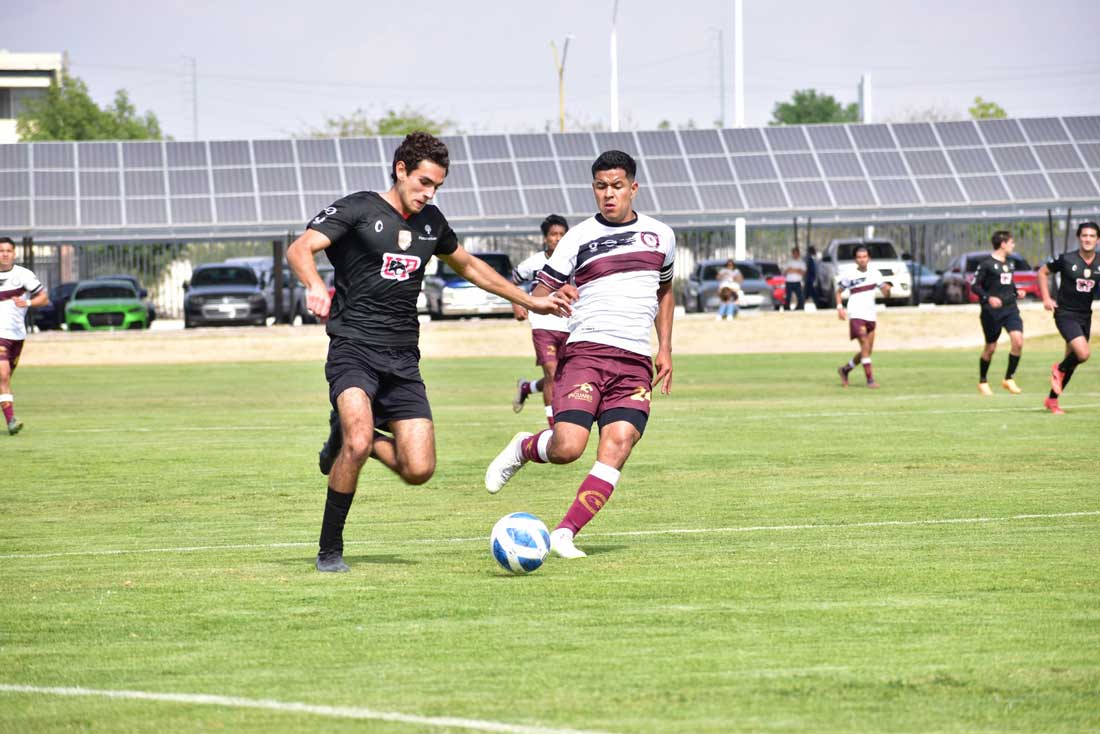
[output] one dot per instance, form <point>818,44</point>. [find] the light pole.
<point>739,66</point>
<point>614,70</point>
<point>721,77</point>
<point>560,66</point>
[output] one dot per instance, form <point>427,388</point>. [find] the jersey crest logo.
<point>399,267</point>
<point>404,239</point>
<point>650,239</point>
<point>1087,273</point>
<point>1085,285</point>
<point>328,212</point>
<point>1006,278</point>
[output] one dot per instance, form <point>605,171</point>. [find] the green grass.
<point>123,494</point>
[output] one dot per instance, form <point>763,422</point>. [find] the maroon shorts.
<point>595,378</point>
<point>548,344</point>
<point>859,327</point>
<point>10,349</point>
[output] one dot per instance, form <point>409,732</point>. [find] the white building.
<point>23,77</point>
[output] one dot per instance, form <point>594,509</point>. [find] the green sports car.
<point>105,304</point>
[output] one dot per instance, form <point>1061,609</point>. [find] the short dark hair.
<point>865,248</point>
<point>1000,237</point>
<point>7,240</point>
<point>420,146</point>
<point>553,220</point>
<point>1088,225</point>
<point>612,159</point>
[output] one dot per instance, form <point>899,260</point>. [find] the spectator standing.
<point>794,271</point>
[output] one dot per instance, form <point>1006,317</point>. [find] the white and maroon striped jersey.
<point>616,268</point>
<point>861,287</point>
<point>16,283</point>
<point>526,272</point>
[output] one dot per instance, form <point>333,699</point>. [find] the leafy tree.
<point>983,110</point>
<point>807,106</point>
<point>396,123</point>
<point>67,112</point>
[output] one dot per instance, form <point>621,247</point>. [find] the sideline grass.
<point>855,624</point>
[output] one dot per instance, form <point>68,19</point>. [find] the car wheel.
<point>187,323</point>
<point>702,306</point>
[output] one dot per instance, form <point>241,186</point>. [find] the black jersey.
<point>1079,280</point>
<point>993,278</point>
<point>379,259</point>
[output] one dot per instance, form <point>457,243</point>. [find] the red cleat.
<point>873,385</point>
<point>1056,376</point>
<point>843,376</point>
<point>1051,404</point>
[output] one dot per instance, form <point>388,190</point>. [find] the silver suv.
<point>839,260</point>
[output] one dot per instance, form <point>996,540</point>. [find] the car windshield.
<point>769,269</point>
<point>877,250</point>
<point>104,291</point>
<point>974,261</point>
<point>748,272</point>
<point>500,263</point>
<point>224,276</point>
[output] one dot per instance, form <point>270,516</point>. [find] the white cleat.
<point>508,462</point>
<point>561,544</point>
<point>521,395</point>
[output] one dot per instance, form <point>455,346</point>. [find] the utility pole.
<point>560,66</point>
<point>738,66</point>
<point>865,111</point>
<point>194,98</point>
<point>721,78</point>
<point>614,69</point>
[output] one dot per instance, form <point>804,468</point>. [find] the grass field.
<point>780,555</point>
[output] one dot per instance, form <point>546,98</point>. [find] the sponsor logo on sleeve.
<point>399,267</point>
<point>328,212</point>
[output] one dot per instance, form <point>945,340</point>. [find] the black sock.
<point>1066,374</point>
<point>1013,363</point>
<point>1069,364</point>
<point>332,526</point>
<point>1052,396</point>
<point>983,369</point>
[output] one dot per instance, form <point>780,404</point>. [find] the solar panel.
<point>231,181</point>
<point>1044,130</point>
<point>14,156</point>
<point>915,135</point>
<point>496,175</point>
<point>489,147</point>
<point>273,180</point>
<point>193,155</point>
<point>643,202</point>
<point>55,212</point>
<point>53,155</point>
<point>1027,186</point>
<point>667,171</point>
<point>389,145</point>
<point>984,188</point>
<point>872,137</point>
<point>940,191</point>
<point>532,146</point>
<point>100,212</point>
<point>574,145</point>
<point>896,191</point>
<point>1091,153</point>
<point>765,195</point>
<point>273,152</point>
<point>99,183</point>
<point>852,193</point>
<point>1059,156</point>
<point>188,183</point>
<point>1083,128</point>
<point>361,150</point>
<point>576,172</point>
<point>1073,185</point>
<point>544,201</point>
<point>744,140</point>
<point>97,155</point>
<point>659,143</point>
<point>280,209</point>
<point>321,178</point>
<point>829,137</point>
<point>146,211</point>
<point>677,198</point>
<point>1015,158</point>
<point>971,160</point>
<point>754,168</point>
<point>230,153</point>
<point>456,147</point>
<point>235,208</point>
<point>884,164</point>
<point>927,163</point>
<point>702,142</point>
<point>54,183</point>
<point>840,165</point>
<point>15,213</point>
<point>581,201</point>
<point>617,141</point>
<point>501,203</point>
<point>459,204</point>
<point>317,202</point>
<point>365,178</point>
<point>145,183</point>
<point>1001,132</point>
<point>316,151</point>
<point>797,165</point>
<point>191,210</point>
<point>721,197</point>
<point>809,194</point>
<point>958,133</point>
<point>15,183</point>
<point>786,138</point>
<point>459,177</point>
<point>709,170</point>
<point>538,173</point>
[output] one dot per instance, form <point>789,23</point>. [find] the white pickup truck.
<point>839,259</point>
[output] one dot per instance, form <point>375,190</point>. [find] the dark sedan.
<point>701,290</point>
<point>52,315</point>
<point>223,295</point>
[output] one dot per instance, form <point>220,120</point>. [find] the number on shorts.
<point>641,395</point>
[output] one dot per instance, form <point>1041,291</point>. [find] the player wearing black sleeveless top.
<point>994,286</point>
<point>378,245</point>
<point>1080,281</point>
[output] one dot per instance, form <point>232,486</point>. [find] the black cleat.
<point>331,561</point>
<point>328,453</point>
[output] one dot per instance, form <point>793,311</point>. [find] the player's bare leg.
<point>548,370</point>
<point>983,368</point>
<point>1016,348</point>
<point>7,402</point>
<point>411,452</point>
<point>524,390</point>
<point>357,424</point>
<point>562,444</point>
<point>866,346</point>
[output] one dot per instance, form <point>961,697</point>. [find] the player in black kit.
<point>1080,280</point>
<point>995,288</point>
<point>378,245</point>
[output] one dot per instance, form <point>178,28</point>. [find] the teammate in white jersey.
<point>621,265</point>
<point>548,331</point>
<point>19,290</point>
<point>861,286</point>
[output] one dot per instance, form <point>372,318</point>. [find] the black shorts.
<point>390,378</point>
<point>1072,324</point>
<point>995,319</point>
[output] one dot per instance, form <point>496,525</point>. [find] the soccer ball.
<point>520,542</point>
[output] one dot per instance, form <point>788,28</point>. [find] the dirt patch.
<point>899,328</point>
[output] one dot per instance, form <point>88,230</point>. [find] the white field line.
<point>618,534</point>
<point>335,712</point>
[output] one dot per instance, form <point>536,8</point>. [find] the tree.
<point>396,123</point>
<point>983,110</point>
<point>807,106</point>
<point>68,112</point>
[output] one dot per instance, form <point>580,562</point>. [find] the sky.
<point>279,68</point>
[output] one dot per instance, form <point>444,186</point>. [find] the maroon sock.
<point>529,448</point>
<point>592,495</point>
<point>9,411</point>
<point>550,420</point>
<point>867,371</point>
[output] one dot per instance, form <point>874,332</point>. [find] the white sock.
<point>866,360</point>
<point>533,385</point>
<point>543,444</point>
<point>606,472</point>
<point>549,411</point>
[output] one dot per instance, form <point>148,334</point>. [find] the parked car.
<point>838,260</point>
<point>775,279</point>
<point>924,281</point>
<point>954,285</point>
<point>105,305</point>
<point>701,290</point>
<point>449,294</point>
<point>223,295</point>
<point>52,315</point>
<point>294,310</point>
<point>142,294</point>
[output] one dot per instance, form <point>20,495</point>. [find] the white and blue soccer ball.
<point>520,542</point>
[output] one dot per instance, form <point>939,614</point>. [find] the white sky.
<point>275,68</point>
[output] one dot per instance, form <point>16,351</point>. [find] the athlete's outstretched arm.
<point>481,274</point>
<point>666,307</point>
<point>300,257</point>
<point>1044,287</point>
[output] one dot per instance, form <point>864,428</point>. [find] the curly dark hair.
<point>612,159</point>
<point>420,146</point>
<point>550,221</point>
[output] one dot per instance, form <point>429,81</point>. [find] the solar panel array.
<point>510,180</point>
